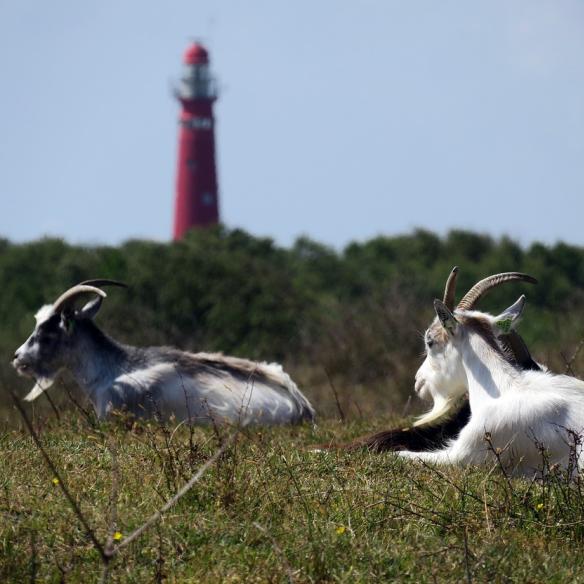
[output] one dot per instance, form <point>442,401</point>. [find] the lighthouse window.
<point>208,199</point>
<point>201,123</point>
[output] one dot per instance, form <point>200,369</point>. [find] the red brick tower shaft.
<point>196,203</point>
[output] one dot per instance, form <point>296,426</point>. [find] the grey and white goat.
<point>150,382</point>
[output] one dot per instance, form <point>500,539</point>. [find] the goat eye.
<point>430,342</point>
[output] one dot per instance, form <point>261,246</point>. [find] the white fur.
<point>206,397</point>
<point>441,379</point>
<point>41,385</point>
<point>519,409</point>
<point>44,313</point>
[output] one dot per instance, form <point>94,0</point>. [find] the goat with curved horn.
<point>160,382</point>
<point>437,381</point>
<point>532,418</point>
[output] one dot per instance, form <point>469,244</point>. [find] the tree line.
<point>352,314</point>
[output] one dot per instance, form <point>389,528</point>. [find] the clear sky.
<point>337,119</point>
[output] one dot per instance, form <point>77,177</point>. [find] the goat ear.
<point>509,318</point>
<point>90,309</point>
<point>67,321</point>
<point>446,317</point>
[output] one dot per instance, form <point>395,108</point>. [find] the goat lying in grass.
<point>521,411</point>
<point>448,391</point>
<point>156,381</point>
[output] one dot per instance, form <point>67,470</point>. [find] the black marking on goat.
<point>482,327</point>
<point>516,351</point>
<point>415,438</point>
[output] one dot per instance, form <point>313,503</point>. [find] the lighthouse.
<point>196,202</point>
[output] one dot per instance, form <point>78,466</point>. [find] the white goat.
<point>447,390</point>
<point>438,379</point>
<point>520,410</point>
<point>156,381</point>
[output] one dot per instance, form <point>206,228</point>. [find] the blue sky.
<point>339,120</point>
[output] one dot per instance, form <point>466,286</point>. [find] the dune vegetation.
<point>263,507</point>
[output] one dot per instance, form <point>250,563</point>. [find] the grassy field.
<point>347,327</point>
<point>269,510</point>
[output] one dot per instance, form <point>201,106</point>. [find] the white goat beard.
<point>41,385</point>
<point>443,408</point>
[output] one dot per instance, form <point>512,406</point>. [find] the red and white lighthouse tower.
<point>196,203</point>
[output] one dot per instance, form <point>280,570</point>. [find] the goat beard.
<point>41,385</point>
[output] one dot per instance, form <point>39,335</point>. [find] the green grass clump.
<point>271,511</point>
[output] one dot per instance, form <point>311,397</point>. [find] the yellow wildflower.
<point>55,481</point>
<point>539,507</point>
<point>340,529</point>
<point>117,536</point>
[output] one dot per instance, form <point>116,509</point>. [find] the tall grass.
<point>269,510</point>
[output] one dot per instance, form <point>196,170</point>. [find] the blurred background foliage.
<point>349,320</point>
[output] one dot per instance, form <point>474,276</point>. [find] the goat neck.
<point>95,360</point>
<point>488,373</point>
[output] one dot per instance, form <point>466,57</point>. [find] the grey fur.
<point>158,381</point>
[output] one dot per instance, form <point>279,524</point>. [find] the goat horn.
<point>103,282</point>
<point>478,290</point>
<point>450,289</point>
<point>67,298</point>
